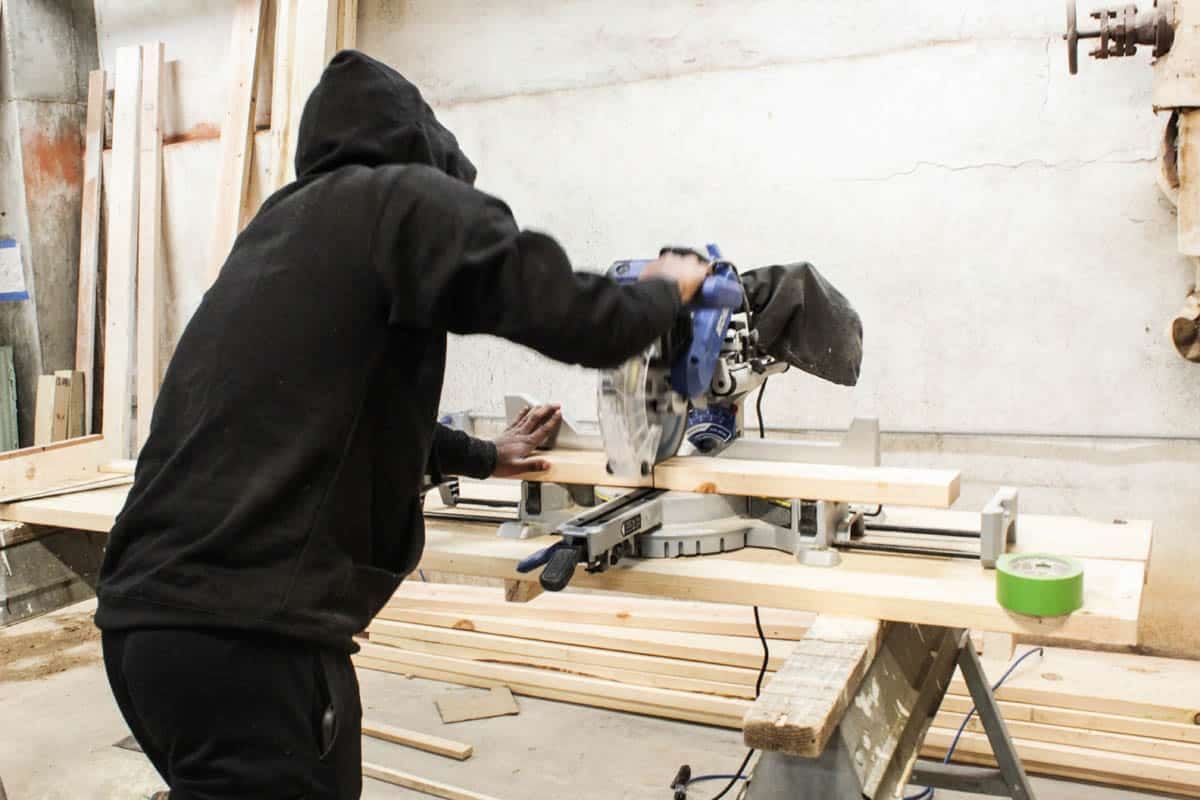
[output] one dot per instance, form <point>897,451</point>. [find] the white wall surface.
<point>994,219</point>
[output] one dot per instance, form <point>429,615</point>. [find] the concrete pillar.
<point>47,48</point>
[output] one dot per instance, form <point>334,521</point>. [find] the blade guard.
<point>633,414</point>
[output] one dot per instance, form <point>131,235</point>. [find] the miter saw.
<point>684,396</point>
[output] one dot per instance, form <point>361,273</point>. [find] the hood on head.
<point>364,112</point>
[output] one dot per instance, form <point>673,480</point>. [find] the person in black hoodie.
<point>276,502</point>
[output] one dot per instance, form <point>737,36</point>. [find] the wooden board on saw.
<point>949,592</point>
<point>532,682</point>
<point>1163,689</point>
<point>914,487</point>
<point>604,609</point>
<point>728,650</point>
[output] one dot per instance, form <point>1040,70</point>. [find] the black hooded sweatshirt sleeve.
<point>278,490</point>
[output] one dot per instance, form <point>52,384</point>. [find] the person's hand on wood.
<point>529,431</point>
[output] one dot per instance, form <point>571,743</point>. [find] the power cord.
<point>928,792</point>
<point>762,430</point>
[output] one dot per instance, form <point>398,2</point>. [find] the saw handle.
<point>721,289</point>
<point>560,568</point>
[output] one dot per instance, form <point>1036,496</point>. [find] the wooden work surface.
<point>936,591</point>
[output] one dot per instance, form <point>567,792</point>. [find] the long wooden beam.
<point>937,488</point>
<point>89,241</point>
<point>948,592</point>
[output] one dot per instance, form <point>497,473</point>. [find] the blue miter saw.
<point>687,384</point>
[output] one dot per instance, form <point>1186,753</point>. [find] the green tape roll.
<point>1039,584</point>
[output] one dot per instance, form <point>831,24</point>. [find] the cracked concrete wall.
<point>48,49</point>
<point>995,220</point>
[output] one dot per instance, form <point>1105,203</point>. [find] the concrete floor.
<point>57,733</point>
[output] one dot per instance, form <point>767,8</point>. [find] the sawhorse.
<point>845,717</point>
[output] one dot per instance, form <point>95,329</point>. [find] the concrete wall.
<point>46,52</point>
<point>995,220</point>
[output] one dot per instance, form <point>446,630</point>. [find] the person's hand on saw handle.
<point>529,431</point>
<point>688,270</point>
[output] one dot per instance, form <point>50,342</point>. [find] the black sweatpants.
<point>225,714</point>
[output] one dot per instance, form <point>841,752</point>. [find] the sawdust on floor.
<point>63,642</point>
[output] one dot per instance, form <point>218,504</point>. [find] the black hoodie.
<point>278,489</point>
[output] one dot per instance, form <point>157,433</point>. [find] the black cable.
<point>878,510</point>
<point>762,638</point>
<point>762,430</point>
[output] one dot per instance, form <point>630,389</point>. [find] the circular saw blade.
<point>639,419</point>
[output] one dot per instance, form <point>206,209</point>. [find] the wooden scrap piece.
<point>149,291</point>
<point>464,706</point>
<point>76,381</point>
<point>800,709</point>
<point>421,741</point>
<point>521,591</point>
<point>62,406</point>
<point>419,784</point>
<point>89,239</point>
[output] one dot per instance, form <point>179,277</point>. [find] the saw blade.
<point>641,421</point>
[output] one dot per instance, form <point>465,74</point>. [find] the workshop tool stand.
<point>875,729</point>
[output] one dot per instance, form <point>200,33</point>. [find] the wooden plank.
<point>583,467</point>
<point>281,89</point>
<point>49,465</point>
<point>43,414</point>
<point>732,651</point>
<point>888,485</point>
<point>10,438</point>
<point>419,784</point>
<point>1086,720</point>
<point>802,707</point>
<point>62,405</point>
<point>506,646</point>
<point>347,35</point>
<point>85,511</point>
<point>237,128</point>
<point>315,40</point>
<point>1093,775</point>
<point>121,262</point>
<point>76,410</point>
<point>1164,771</point>
<point>581,662</point>
<point>948,592</point>
<point>1080,737</point>
<point>1164,689</point>
<point>604,609</point>
<point>724,712</point>
<point>421,741</point>
<point>89,239</point>
<point>465,706</point>
<point>70,487</point>
<point>149,291</point>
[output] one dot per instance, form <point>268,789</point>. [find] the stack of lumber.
<point>689,661</point>
<point>1119,719</point>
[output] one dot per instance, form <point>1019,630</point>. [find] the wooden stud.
<point>149,293</point>
<point>315,40</point>
<point>419,784</point>
<point>802,707</point>
<point>121,263</point>
<point>43,415</point>
<point>62,406</point>
<point>237,129</point>
<point>418,740</point>
<point>281,89</point>
<point>89,239</point>
<point>347,37</point>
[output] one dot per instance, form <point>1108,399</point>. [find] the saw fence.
<point>1117,719</point>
